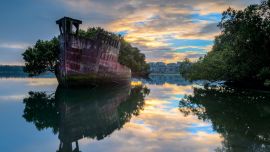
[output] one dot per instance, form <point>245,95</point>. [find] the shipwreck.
<point>84,61</point>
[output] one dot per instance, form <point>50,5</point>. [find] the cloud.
<point>206,48</point>
<point>149,25</point>
<point>14,45</point>
<point>11,56</point>
<point>172,57</point>
<point>207,31</point>
<point>11,98</point>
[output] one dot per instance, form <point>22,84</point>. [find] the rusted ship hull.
<point>90,61</point>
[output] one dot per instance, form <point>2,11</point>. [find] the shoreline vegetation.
<point>16,71</point>
<point>241,53</point>
<point>43,56</point>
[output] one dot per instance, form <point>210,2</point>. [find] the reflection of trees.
<point>134,104</point>
<point>242,117</point>
<point>40,109</point>
<point>78,113</point>
<point>161,79</point>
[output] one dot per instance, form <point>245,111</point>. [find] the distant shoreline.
<point>164,74</point>
<point>16,71</point>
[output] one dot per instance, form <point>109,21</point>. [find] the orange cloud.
<point>150,24</point>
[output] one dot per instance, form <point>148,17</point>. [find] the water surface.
<point>164,113</point>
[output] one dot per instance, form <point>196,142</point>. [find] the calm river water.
<point>161,114</point>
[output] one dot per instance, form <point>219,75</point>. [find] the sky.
<point>164,30</point>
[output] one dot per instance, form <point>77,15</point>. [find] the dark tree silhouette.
<point>240,116</point>
<point>241,53</point>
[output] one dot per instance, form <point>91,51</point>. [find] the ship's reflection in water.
<point>84,113</point>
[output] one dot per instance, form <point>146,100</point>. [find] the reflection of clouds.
<point>42,82</point>
<point>160,127</point>
<point>14,129</point>
<point>155,103</point>
<point>29,81</point>
<point>15,89</point>
<point>168,91</point>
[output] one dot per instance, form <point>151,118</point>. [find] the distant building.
<point>160,67</point>
<point>160,79</point>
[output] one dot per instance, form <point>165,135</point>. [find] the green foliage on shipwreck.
<point>43,56</point>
